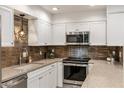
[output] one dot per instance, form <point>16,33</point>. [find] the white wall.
<point>79,16</point>
<point>33,10</point>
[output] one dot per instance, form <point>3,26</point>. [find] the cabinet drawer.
<point>41,70</point>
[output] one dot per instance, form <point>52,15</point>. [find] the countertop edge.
<point>5,80</point>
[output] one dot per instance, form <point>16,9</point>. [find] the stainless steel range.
<point>76,65</point>
<point>75,70</point>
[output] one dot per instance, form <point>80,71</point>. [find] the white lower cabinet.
<point>43,80</point>
<point>45,77</point>
<point>33,82</point>
<point>60,76</point>
<point>52,78</point>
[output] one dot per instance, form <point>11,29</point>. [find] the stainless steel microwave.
<point>74,38</point>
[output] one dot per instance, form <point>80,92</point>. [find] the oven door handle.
<point>68,64</point>
<point>79,65</point>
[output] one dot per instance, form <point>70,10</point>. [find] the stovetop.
<point>83,60</point>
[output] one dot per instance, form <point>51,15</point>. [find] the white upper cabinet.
<point>44,32</point>
<point>115,25</point>
<point>115,9</point>
<point>7,26</point>
<point>115,29</point>
<point>72,27</point>
<point>98,33</point>
<point>39,33</point>
<point>58,34</point>
<point>48,33</point>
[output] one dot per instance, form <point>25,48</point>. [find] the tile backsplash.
<point>10,55</point>
<point>34,52</point>
<point>102,52</point>
<point>60,51</point>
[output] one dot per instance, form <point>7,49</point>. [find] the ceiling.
<point>72,8</point>
<point>16,12</point>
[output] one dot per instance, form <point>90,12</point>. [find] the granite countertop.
<point>12,71</point>
<point>103,74</point>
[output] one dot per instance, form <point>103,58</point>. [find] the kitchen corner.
<point>41,48</point>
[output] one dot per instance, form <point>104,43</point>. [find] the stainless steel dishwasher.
<point>18,82</point>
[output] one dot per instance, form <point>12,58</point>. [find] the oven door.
<point>75,73</point>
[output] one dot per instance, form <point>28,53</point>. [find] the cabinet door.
<point>83,26</point>
<point>48,33</point>
<point>33,39</point>
<point>39,33</point>
<point>43,80</point>
<point>33,82</point>
<point>115,29</point>
<point>58,34</point>
<point>60,74</point>
<point>52,78</point>
<point>7,26</point>
<point>72,27</point>
<point>44,32</point>
<point>98,33</point>
<point>115,8</point>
